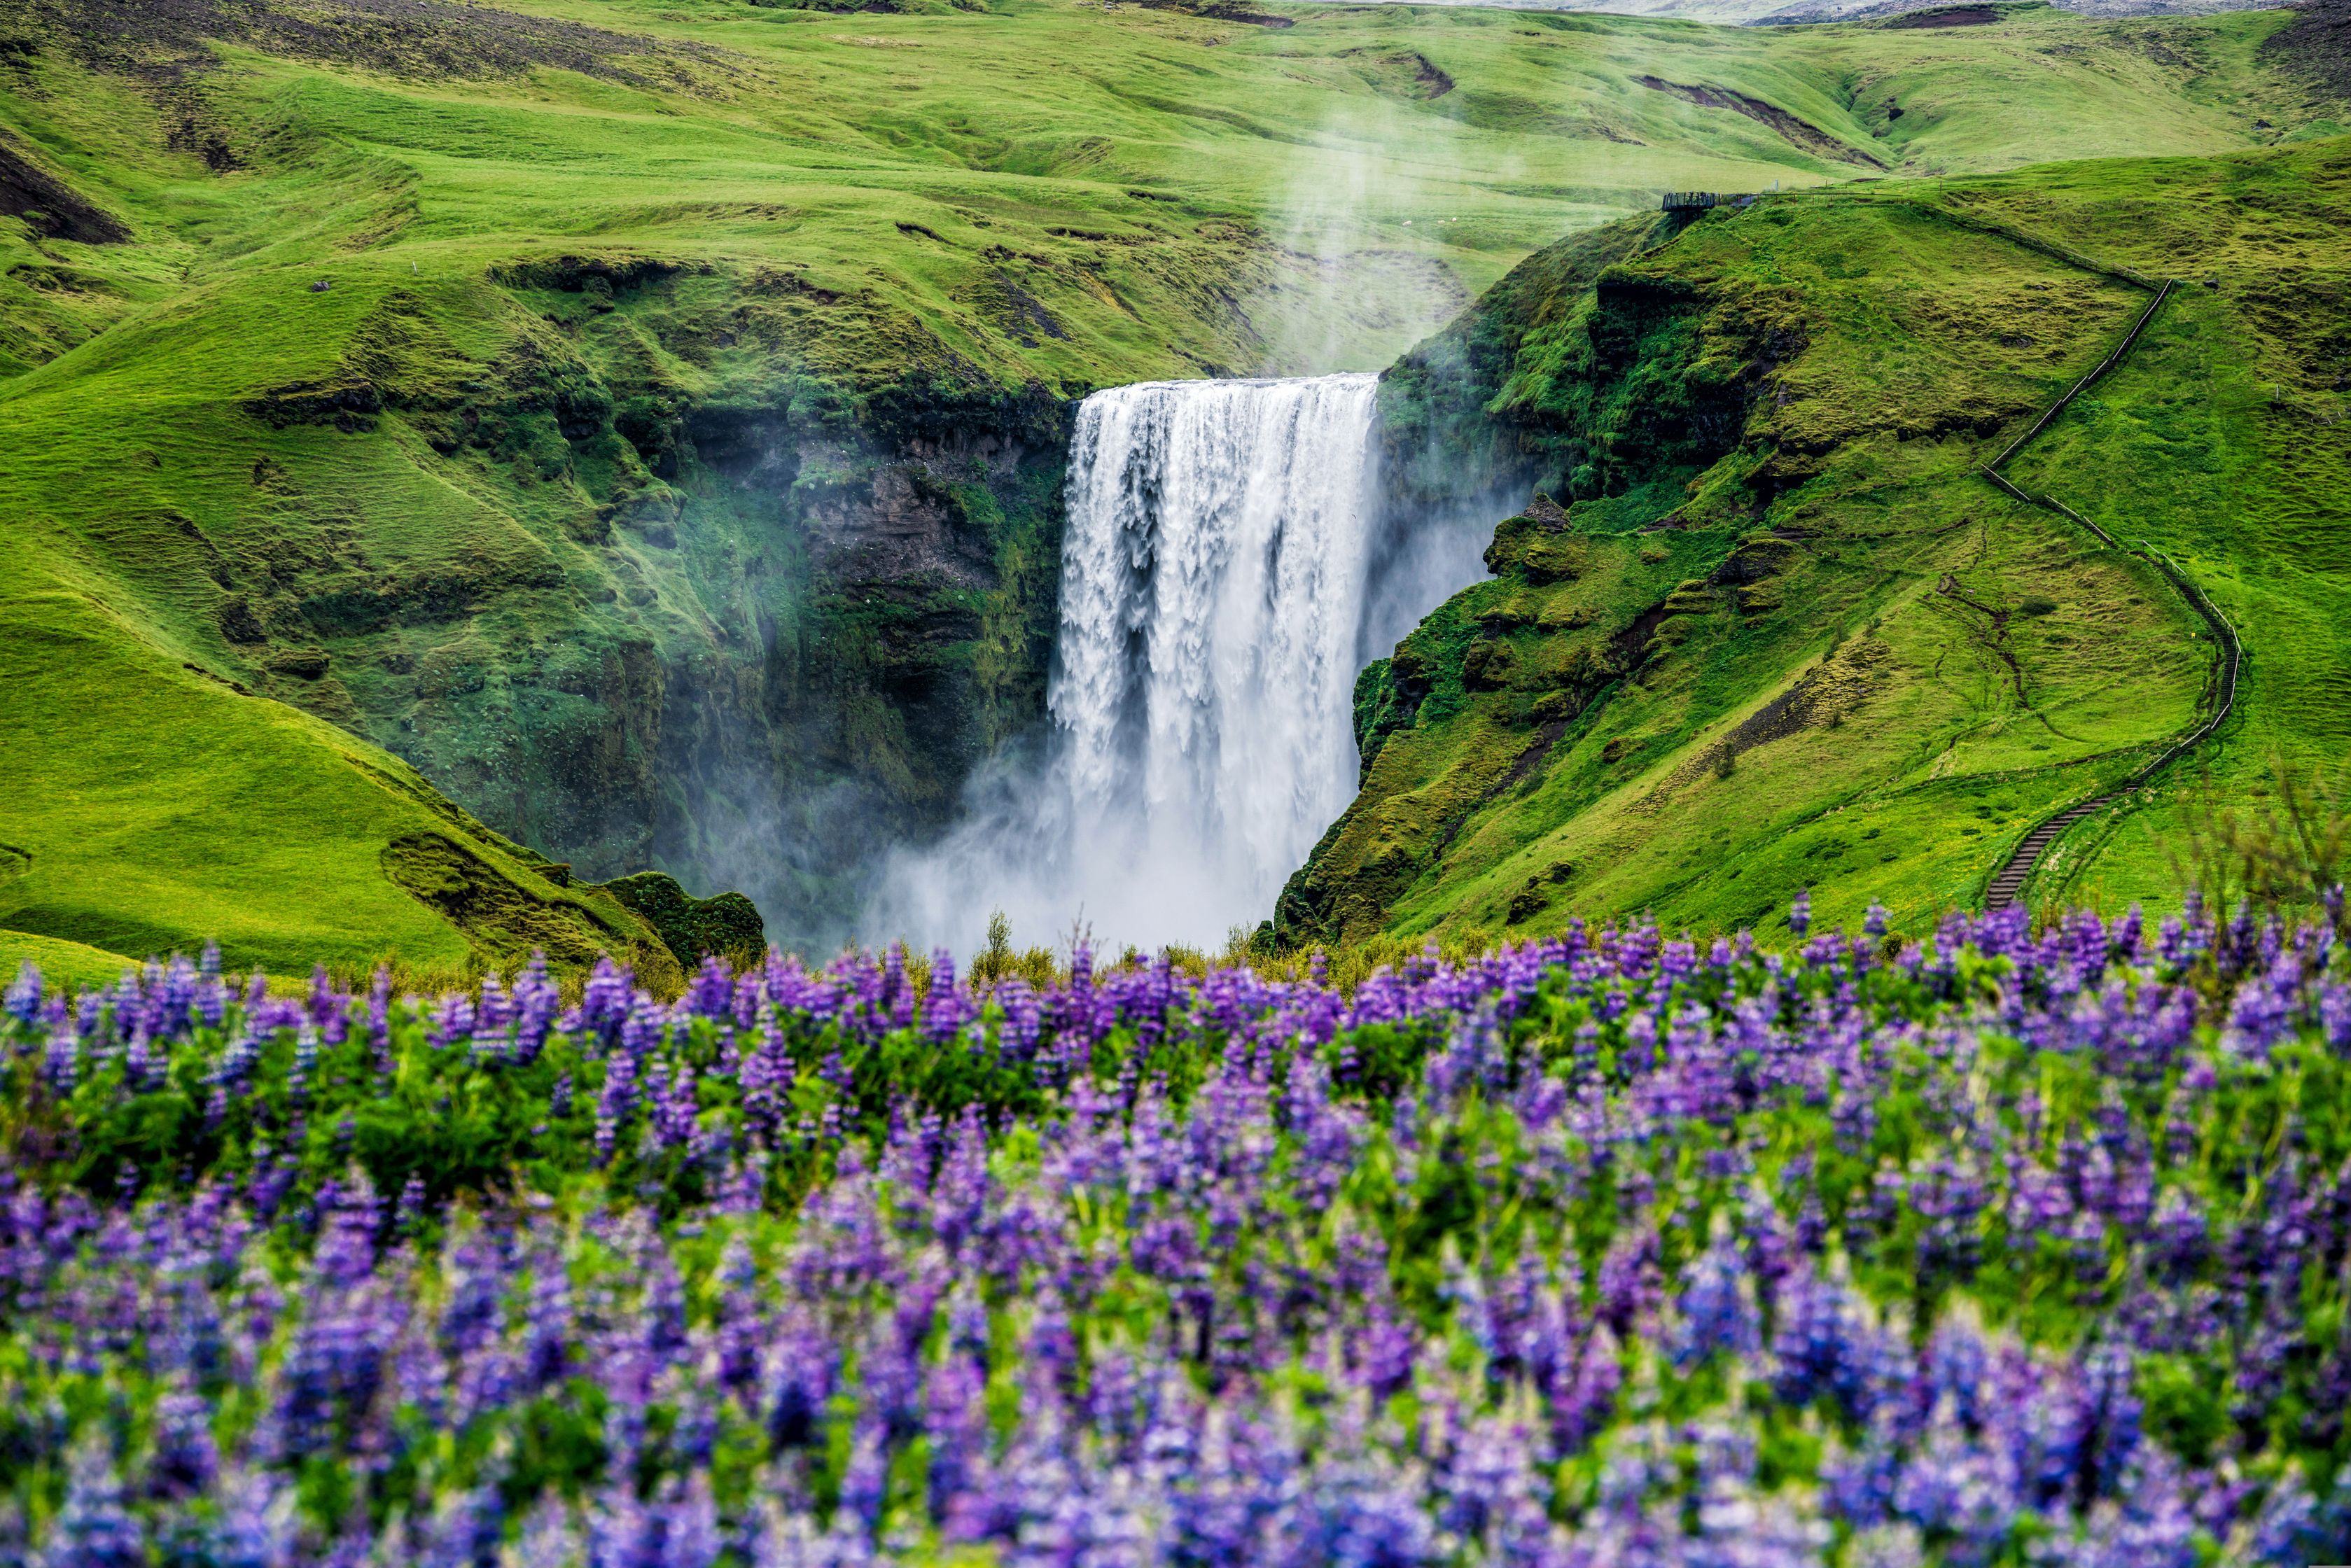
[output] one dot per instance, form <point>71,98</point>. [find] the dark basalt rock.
<point>50,207</point>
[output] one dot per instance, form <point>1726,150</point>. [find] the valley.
<point>1185,784</point>
<point>637,433</point>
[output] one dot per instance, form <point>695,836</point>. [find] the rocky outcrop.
<point>506,920</point>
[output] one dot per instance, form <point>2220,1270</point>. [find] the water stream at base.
<point>1212,581</point>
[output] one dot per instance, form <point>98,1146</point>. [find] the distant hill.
<point>1944,13</point>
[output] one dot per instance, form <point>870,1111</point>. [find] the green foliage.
<point>725,927</point>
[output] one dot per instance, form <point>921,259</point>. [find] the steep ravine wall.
<point>743,626</point>
<point>902,628</point>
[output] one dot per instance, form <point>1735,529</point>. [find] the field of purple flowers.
<point>1609,1249</point>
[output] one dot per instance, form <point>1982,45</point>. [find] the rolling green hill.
<point>1786,633</point>
<point>634,430</point>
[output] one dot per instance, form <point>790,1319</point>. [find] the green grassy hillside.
<point>643,421</point>
<point>1786,633</point>
<point>188,807</point>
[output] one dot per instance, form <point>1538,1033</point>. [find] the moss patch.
<point>726,926</point>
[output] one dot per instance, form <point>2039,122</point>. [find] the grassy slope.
<point>187,807</point>
<point>2223,443</point>
<point>74,964</point>
<point>1829,699</point>
<point>843,206</point>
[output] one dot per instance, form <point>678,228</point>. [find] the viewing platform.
<point>1699,201</point>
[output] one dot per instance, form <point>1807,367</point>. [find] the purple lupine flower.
<point>22,1002</point>
<point>476,1268</point>
<point>2147,1524</point>
<point>2294,1527</point>
<point>185,1462</point>
<point>94,1530</point>
<point>1631,1287</point>
<point>864,1480</point>
<point>615,1102</point>
<point>712,993</point>
<point>622,1532</point>
<point>467,1530</point>
<point>1580,1407</point>
<point>548,1324</point>
<point>1717,1312</point>
<point>1819,1347</point>
<point>255,1526</point>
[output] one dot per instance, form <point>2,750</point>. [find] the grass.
<point>542,494</point>
<point>2221,443</point>
<point>185,807</point>
<point>1876,671</point>
<point>67,963</point>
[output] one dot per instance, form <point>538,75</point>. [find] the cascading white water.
<point>1213,573</point>
<point>1212,583</point>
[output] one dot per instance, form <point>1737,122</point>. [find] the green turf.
<point>71,962</point>
<point>1876,671</point>
<point>473,504</point>
<point>164,804</point>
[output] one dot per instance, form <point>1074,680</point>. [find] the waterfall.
<point>1213,573</point>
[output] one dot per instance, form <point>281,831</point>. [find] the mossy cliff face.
<point>752,625</point>
<point>1441,437</point>
<point>1775,630</point>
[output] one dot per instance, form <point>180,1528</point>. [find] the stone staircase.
<point>2008,882</point>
